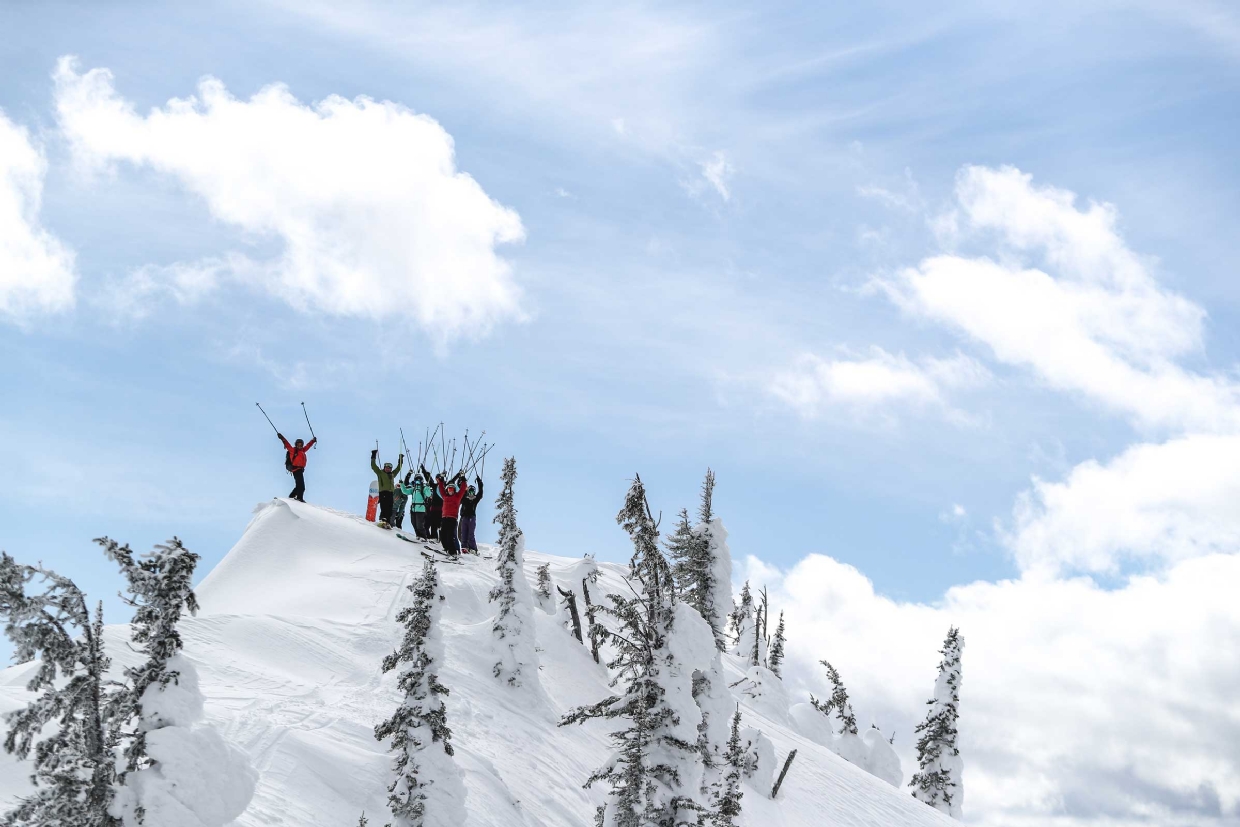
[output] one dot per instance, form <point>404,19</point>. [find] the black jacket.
<point>469,505</point>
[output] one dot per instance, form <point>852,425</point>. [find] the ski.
<point>440,559</point>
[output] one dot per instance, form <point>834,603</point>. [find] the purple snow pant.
<point>468,524</point>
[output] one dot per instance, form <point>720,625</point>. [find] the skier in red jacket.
<point>451,493</point>
<point>295,462</point>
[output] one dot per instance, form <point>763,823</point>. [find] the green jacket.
<point>387,479</point>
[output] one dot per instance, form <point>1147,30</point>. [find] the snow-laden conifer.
<point>838,702</point>
<point>655,750</point>
<point>74,767</point>
<point>427,789</point>
<point>542,591</point>
<point>728,804</point>
<point>741,624</point>
<point>939,780</point>
<point>178,772</point>
<point>775,659</point>
<point>513,629</point>
<point>702,563</point>
<point>160,587</point>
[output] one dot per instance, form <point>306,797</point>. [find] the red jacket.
<point>452,502</point>
<point>297,455</point>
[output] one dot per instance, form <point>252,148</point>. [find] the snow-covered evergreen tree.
<point>74,768</point>
<point>542,592</point>
<point>939,780</point>
<point>757,652</point>
<point>178,773</point>
<point>160,587</point>
<point>741,624</point>
<point>653,755</point>
<point>728,804</point>
<point>775,659</point>
<point>702,563</point>
<point>426,776</point>
<point>838,702</point>
<point>513,629</point>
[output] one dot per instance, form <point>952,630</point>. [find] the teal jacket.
<point>418,494</point>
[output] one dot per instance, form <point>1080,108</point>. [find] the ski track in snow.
<point>294,624</point>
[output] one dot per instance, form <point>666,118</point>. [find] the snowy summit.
<point>318,632</point>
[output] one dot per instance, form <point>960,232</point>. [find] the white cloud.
<point>1098,324</point>
<point>1079,705</point>
<point>880,380</point>
<point>909,200</point>
<point>36,269</point>
<point>718,170</point>
<point>1156,503</point>
<point>375,219</point>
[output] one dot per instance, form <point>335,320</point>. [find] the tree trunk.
<point>571,600</point>
<point>585,590</point>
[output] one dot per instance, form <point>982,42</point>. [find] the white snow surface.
<point>287,646</point>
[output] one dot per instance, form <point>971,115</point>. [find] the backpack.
<point>288,461</point>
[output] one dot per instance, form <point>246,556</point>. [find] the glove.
<point>375,452</point>
<point>279,436</point>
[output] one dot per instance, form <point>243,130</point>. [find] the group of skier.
<point>439,508</point>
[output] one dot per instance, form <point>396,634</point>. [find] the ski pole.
<point>269,422</point>
<point>308,425</point>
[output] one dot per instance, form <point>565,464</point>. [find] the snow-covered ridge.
<point>296,620</point>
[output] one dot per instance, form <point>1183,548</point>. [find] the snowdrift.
<point>295,622</point>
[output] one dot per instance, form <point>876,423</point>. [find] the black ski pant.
<point>419,525</point>
<point>299,485</point>
<point>385,507</point>
<point>447,535</point>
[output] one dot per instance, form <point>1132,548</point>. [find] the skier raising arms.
<point>469,516</point>
<point>295,462</point>
<point>451,493</point>
<point>387,477</point>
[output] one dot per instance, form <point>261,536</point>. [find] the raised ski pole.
<point>308,425</point>
<point>481,458</point>
<point>783,772</point>
<point>443,448</point>
<point>269,422</point>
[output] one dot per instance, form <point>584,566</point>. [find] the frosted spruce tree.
<point>427,789</point>
<point>513,630</point>
<point>74,768</point>
<point>775,659</point>
<point>542,592</point>
<point>159,589</point>
<point>178,772</point>
<point>702,563</point>
<point>654,750</point>
<point>939,780</point>
<point>741,624</point>
<point>728,804</point>
<point>838,702</point>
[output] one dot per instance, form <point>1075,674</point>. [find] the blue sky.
<point>695,235</point>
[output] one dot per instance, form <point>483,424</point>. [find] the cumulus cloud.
<point>36,269</point>
<point>880,381</point>
<point>1080,704</point>
<point>1065,297</point>
<point>1160,502</point>
<point>374,217</point>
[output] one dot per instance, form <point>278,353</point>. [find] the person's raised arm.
<point>287,447</point>
<point>373,455</point>
<point>479,479</point>
<point>399,462</point>
<point>310,444</point>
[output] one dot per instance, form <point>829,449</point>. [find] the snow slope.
<point>294,624</point>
